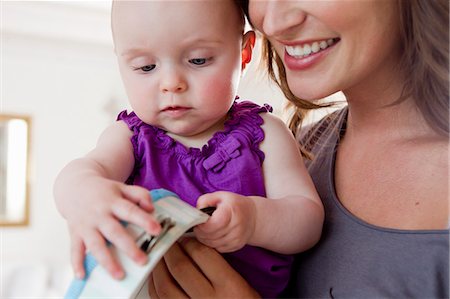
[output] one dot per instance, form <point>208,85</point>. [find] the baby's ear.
<point>248,42</point>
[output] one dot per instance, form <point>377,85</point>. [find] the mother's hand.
<point>192,270</point>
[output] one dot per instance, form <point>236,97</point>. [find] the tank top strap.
<point>131,120</point>
<point>245,119</point>
<point>141,131</point>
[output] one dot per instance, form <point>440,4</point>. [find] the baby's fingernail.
<point>141,260</point>
<point>156,228</point>
<point>79,275</point>
<point>118,274</point>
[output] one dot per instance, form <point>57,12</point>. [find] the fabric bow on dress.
<point>227,150</point>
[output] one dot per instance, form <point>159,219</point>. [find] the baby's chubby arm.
<point>288,221</point>
<point>90,194</point>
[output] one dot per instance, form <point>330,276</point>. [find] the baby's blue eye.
<point>147,68</point>
<point>198,61</point>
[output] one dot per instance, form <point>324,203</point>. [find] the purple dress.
<point>230,161</point>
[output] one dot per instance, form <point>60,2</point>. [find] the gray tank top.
<point>355,259</point>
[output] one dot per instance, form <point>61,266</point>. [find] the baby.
<point>181,63</point>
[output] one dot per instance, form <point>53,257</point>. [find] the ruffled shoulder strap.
<point>142,130</point>
<point>247,110</point>
<point>131,119</point>
<point>245,119</point>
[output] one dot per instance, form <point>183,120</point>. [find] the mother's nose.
<point>276,17</point>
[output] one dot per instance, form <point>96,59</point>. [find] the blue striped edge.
<point>77,285</point>
<point>157,194</point>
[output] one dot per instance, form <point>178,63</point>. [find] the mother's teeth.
<point>298,51</point>
<point>307,49</point>
<point>315,47</point>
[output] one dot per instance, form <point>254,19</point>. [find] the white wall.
<point>57,66</point>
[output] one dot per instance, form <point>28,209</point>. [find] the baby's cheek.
<point>222,84</point>
<point>219,87</point>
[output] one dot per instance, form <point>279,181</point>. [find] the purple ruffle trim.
<point>244,118</point>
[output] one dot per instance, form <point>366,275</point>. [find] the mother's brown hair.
<point>425,36</point>
<point>425,42</point>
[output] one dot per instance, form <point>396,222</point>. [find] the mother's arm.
<point>192,270</point>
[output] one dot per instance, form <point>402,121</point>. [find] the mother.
<point>380,164</point>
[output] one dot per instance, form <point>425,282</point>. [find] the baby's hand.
<point>231,225</point>
<point>93,217</point>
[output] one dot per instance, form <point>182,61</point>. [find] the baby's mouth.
<point>176,111</point>
<point>175,108</point>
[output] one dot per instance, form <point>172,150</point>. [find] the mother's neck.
<point>374,114</point>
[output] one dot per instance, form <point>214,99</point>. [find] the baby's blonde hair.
<point>239,4</point>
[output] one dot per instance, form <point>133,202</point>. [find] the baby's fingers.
<point>217,223</point>
<point>138,195</point>
<point>96,244</point>
<point>77,253</point>
<point>224,243</point>
<point>211,240</point>
<point>123,241</point>
<point>208,200</point>
<point>131,213</point>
